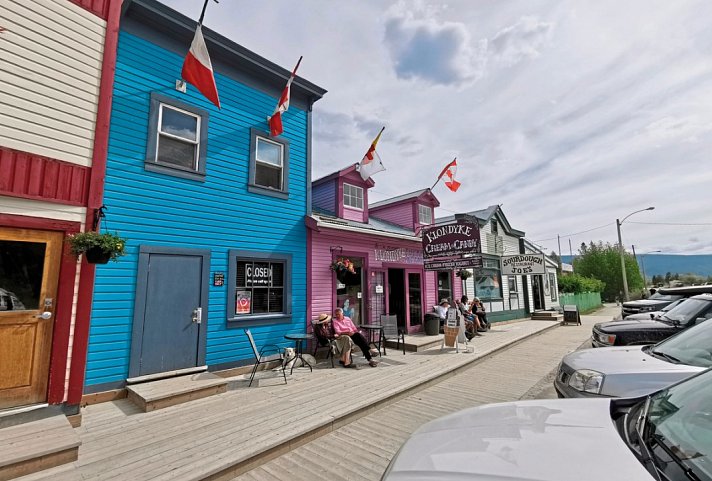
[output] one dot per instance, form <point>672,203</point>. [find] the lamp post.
<point>621,251</point>
<point>642,264</point>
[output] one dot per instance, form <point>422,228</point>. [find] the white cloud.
<point>520,41</point>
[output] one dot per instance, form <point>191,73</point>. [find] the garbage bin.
<point>432,324</point>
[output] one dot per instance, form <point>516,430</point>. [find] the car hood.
<point>634,324</point>
<point>628,370</point>
<point>646,303</point>
<point>530,440</point>
<point>644,316</point>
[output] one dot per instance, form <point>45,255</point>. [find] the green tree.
<point>668,277</point>
<point>602,261</point>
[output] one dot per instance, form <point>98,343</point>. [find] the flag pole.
<point>202,13</point>
<point>294,72</point>
<point>442,173</point>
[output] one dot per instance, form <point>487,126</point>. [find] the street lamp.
<point>620,250</point>
<point>642,264</point>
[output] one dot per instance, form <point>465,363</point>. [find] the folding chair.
<point>261,358</point>
<point>391,330</point>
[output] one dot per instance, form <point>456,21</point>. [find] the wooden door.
<point>29,269</point>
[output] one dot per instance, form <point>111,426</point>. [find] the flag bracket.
<point>181,86</point>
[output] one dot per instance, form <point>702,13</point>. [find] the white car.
<point>667,435</point>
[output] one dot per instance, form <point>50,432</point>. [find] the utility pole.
<point>571,254</point>
<point>558,239</point>
<point>622,253</point>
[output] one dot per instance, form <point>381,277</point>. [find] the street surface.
<point>362,449</point>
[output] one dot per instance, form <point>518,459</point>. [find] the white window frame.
<point>425,209</point>
<point>352,196</point>
<point>196,143</point>
<point>270,165</point>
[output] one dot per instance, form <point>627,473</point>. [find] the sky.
<point>568,114</point>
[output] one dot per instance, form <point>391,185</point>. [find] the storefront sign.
<point>218,279</point>
<point>460,238</point>
<point>243,300</point>
<point>399,254</point>
<point>379,289</point>
<point>523,264</point>
<point>258,275</point>
<point>474,262</point>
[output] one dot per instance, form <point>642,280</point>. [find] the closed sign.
<point>258,275</point>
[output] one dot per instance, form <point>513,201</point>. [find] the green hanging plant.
<point>98,248</point>
<point>463,274</point>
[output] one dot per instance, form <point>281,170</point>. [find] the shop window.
<point>269,165</point>
<point>488,280</point>
<point>353,196</point>
<point>178,134</point>
<point>495,227</point>
<point>425,214</point>
<point>512,283</point>
<point>445,286</point>
<point>552,285</point>
<point>260,286</point>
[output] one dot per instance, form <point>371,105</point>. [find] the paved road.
<point>362,449</point>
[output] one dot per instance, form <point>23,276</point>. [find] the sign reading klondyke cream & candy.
<point>458,239</point>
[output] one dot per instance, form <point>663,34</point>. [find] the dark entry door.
<point>174,312</point>
<point>538,292</point>
<point>396,295</point>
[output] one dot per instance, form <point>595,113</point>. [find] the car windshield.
<point>692,346</point>
<point>663,297</point>
<point>680,423</point>
<point>687,310</point>
<point>673,305</point>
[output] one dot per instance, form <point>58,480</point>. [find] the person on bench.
<point>479,310</point>
<point>472,323</point>
<point>344,325</point>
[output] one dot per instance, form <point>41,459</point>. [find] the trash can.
<point>432,324</point>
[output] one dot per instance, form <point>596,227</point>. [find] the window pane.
<point>267,176</point>
<point>269,152</point>
<point>176,152</point>
<point>177,123</point>
<point>259,300</point>
<point>21,268</point>
<point>487,284</point>
<point>243,301</point>
<point>277,275</point>
<point>276,301</point>
<point>241,281</point>
<point>353,196</point>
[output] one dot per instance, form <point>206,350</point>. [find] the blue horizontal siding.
<point>219,214</point>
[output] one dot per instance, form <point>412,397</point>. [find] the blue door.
<point>171,311</point>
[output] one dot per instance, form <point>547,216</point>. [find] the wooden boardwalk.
<point>373,440</point>
<point>229,434</point>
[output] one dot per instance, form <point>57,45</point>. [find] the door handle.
<point>197,315</point>
<point>45,315</point>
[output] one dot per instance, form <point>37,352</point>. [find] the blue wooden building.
<point>212,206</point>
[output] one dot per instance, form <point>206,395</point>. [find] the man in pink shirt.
<point>344,325</point>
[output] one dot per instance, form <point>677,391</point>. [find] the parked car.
<point>635,370</point>
<point>661,436</point>
<point>654,314</point>
<point>663,297</point>
<point>637,332</point>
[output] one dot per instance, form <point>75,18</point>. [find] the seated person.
<point>472,323</point>
<point>342,345</point>
<point>441,309</point>
<point>344,325</point>
<point>479,310</point>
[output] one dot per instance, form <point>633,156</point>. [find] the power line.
<point>575,233</point>
<point>670,223</point>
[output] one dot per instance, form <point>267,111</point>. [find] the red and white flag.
<point>371,162</point>
<point>198,70</point>
<point>275,121</point>
<point>449,172</point>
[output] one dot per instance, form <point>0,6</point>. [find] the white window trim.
<point>270,165</point>
<point>160,132</point>
<point>344,197</point>
<point>425,208</point>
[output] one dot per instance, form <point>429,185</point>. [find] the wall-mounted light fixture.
<point>99,214</point>
<point>336,248</point>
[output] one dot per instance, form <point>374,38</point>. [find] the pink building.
<point>382,240</point>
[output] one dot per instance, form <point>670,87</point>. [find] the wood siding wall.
<point>97,7</point>
<point>401,214</point>
<point>52,55</point>
<point>324,196</point>
<point>219,214</point>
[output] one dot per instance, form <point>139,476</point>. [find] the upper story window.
<point>425,214</point>
<point>495,227</point>
<point>353,196</point>
<point>269,165</point>
<point>178,137</point>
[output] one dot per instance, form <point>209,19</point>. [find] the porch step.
<point>547,316</point>
<point>415,343</point>
<point>34,441</point>
<point>153,395</point>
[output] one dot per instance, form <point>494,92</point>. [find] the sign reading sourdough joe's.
<point>458,239</point>
<point>523,264</point>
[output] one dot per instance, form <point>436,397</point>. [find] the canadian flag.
<point>275,121</point>
<point>198,70</point>
<point>449,171</point>
<point>371,162</point>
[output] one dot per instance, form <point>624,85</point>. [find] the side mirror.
<point>652,316</point>
<point>700,320</point>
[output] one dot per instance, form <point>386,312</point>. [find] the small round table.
<point>371,328</point>
<point>298,339</point>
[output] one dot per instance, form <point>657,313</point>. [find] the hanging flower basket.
<point>463,274</point>
<point>343,265</point>
<point>97,248</point>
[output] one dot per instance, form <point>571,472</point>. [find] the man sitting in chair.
<point>344,325</point>
<point>472,323</point>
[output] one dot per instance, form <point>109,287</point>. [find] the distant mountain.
<point>660,264</point>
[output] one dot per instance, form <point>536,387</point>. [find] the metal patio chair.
<point>392,331</point>
<point>262,358</point>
